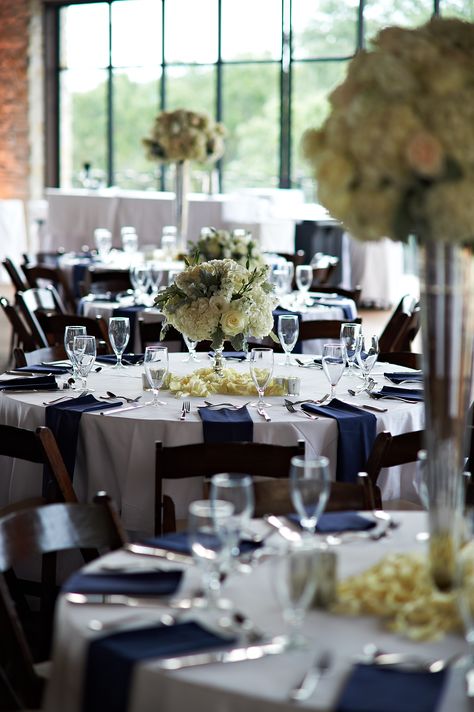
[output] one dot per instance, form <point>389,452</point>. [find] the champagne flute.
<point>309,487</point>
<point>84,350</point>
<point>304,280</point>
<point>261,369</point>
<point>237,489</point>
<point>334,363</point>
<point>119,335</point>
<point>367,354</point>
<point>155,362</point>
<point>349,341</point>
<point>191,346</point>
<point>288,330</point>
<point>69,333</point>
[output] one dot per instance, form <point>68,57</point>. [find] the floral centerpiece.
<point>396,157</point>
<point>219,301</point>
<point>236,245</point>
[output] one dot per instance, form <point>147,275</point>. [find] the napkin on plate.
<point>39,368</point>
<point>179,542</point>
<point>339,522</point>
<point>372,688</point>
<point>401,376</point>
<point>357,432</point>
<point>143,583</point>
<point>41,383</point>
<point>225,425</point>
<point>411,393</point>
<point>111,659</point>
<point>126,358</point>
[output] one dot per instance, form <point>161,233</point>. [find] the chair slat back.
<point>23,335</point>
<point>392,450</point>
<point>38,356</point>
<point>322,329</point>
<point>40,274</point>
<point>16,274</point>
<point>53,325</point>
<point>402,326</point>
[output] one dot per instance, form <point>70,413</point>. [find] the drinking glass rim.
<point>151,349</point>
<point>319,461</point>
<point>119,318</point>
<point>227,479</point>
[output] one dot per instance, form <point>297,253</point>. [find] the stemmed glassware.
<point>367,354</point>
<point>84,353</point>
<point>119,335</point>
<point>309,487</point>
<point>236,489</point>
<point>334,363</point>
<point>129,240</point>
<point>155,362</point>
<point>140,279</point>
<point>349,340</point>
<point>103,242</point>
<point>154,276</point>
<point>191,346</point>
<point>288,330</point>
<point>261,369</point>
<point>304,280</point>
<point>294,576</point>
<point>69,333</point>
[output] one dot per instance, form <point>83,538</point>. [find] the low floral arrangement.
<point>205,382</point>
<point>219,301</point>
<point>236,245</point>
<point>185,135</point>
<point>396,155</point>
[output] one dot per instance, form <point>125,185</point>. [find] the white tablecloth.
<point>261,685</point>
<point>116,453</point>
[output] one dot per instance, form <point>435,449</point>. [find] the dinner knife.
<point>160,552</point>
<point>278,644</point>
<point>119,599</point>
<point>122,409</point>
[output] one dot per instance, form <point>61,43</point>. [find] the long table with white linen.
<point>256,685</point>
<point>116,452</point>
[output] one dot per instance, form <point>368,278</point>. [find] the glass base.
<point>256,404</point>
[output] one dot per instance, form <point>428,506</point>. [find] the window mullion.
<point>285,96</point>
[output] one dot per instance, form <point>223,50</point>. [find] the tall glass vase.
<point>181,203</point>
<point>447,306</point>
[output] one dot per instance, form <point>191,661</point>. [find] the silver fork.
<point>185,409</point>
<point>307,685</point>
<point>291,408</point>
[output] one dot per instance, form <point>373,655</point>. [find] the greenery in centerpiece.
<point>236,245</point>
<point>396,154</point>
<point>219,300</point>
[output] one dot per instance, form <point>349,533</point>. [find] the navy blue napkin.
<point>357,432</point>
<point>236,355</point>
<point>372,688</point>
<point>79,273</point>
<point>400,376</point>
<point>39,368</point>
<point>144,583</point>
<point>41,383</point>
<point>111,660</point>
<point>279,311</point>
<point>63,419</point>
<point>339,522</point>
<point>226,425</point>
<point>411,393</point>
<point>126,358</point>
<point>179,542</point>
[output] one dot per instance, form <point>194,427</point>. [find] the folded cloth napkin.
<point>144,583</point>
<point>236,355</point>
<point>126,358</point>
<point>41,383</point>
<point>372,688</point>
<point>357,432</point>
<point>339,522</point>
<point>401,376</point>
<point>39,368</point>
<point>179,542</point>
<point>387,391</point>
<point>63,419</point>
<point>111,659</point>
<point>225,425</point>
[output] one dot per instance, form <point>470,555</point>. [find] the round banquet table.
<point>258,685</point>
<point>116,452</point>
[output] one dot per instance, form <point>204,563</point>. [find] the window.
<point>263,67</point>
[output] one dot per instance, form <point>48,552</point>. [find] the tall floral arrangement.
<point>236,245</point>
<point>183,135</point>
<point>219,300</point>
<point>396,154</point>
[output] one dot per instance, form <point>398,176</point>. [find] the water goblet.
<point>155,362</point>
<point>349,341</point>
<point>191,346</point>
<point>309,487</point>
<point>140,278</point>
<point>304,280</point>
<point>129,240</point>
<point>119,335</point>
<point>154,276</point>
<point>278,278</point>
<point>367,354</point>
<point>334,364</point>
<point>69,333</point>
<point>237,489</point>
<point>103,242</point>
<point>288,330</point>
<point>261,369</point>
<point>84,350</point>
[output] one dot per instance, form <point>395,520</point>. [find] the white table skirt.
<point>257,686</point>
<point>116,453</point>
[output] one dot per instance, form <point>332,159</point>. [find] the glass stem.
<point>119,360</point>
<point>333,392</point>
<point>155,396</point>
<point>261,402</point>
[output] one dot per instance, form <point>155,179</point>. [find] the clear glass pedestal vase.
<point>447,308</point>
<point>219,361</point>
<point>181,204</point>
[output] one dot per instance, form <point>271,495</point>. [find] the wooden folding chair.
<point>16,274</point>
<point>53,326</point>
<point>402,327</point>
<point>44,275</point>
<point>322,329</point>
<point>36,302</point>
<point>37,357</point>
<point>21,334</point>
<point>150,335</point>
<point>401,358</point>
<point>101,281</point>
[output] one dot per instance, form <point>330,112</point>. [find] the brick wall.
<point>14,118</point>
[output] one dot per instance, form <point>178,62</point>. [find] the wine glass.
<point>261,369</point>
<point>84,350</point>
<point>103,242</point>
<point>367,354</point>
<point>278,277</point>
<point>349,341</point>
<point>140,278</point>
<point>304,280</point>
<point>309,487</point>
<point>288,330</point>
<point>154,276</point>
<point>69,333</point>
<point>119,335</point>
<point>237,489</point>
<point>208,549</point>
<point>191,346</point>
<point>129,240</point>
<point>333,362</point>
<point>155,362</point>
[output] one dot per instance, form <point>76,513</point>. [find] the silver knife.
<point>118,599</point>
<point>122,409</point>
<point>235,655</point>
<point>144,550</point>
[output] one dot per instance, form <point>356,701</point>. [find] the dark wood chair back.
<point>39,356</point>
<point>100,281</point>
<point>35,302</point>
<point>22,335</point>
<point>44,257</point>
<point>323,268</point>
<point>402,327</point>
<point>53,325</point>
<point>391,450</point>
<point>150,335</point>
<point>44,275</point>
<point>321,329</point>
<point>409,359</point>
<point>207,459</point>
<point>16,275</point>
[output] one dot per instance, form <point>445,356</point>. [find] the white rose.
<point>233,322</point>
